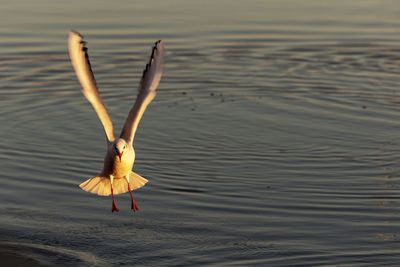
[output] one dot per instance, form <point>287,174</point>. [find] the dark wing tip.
<point>153,51</point>
<point>84,49</point>
<point>81,41</point>
<point>155,48</point>
<point>72,31</point>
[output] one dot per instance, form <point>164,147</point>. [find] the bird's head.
<point>119,148</point>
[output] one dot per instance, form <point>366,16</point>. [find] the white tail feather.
<point>102,186</point>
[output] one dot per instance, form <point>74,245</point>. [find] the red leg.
<point>114,205</point>
<point>134,206</point>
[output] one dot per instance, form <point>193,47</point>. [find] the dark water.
<point>273,140</point>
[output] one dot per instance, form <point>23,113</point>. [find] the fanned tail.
<point>137,181</point>
<point>101,185</point>
<point>97,185</point>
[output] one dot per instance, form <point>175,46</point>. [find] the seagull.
<point>117,176</point>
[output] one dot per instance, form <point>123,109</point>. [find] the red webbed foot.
<point>134,206</point>
<point>114,204</point>
<point>114,207</point>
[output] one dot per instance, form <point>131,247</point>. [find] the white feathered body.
<point>118,168</point>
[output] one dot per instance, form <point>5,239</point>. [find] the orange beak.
<point>120,156</point>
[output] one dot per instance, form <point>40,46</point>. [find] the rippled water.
<point>273,140</point>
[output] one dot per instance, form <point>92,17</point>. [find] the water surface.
<point>273,140</point>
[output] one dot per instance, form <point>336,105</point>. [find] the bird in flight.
<point>117,176</point>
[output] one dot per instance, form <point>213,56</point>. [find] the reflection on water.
<point>272,141</point>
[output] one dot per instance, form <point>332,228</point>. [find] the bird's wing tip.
<point>74,32</point>
<point>159,44</point>
<point>158,49</point>
<point>74,35</point>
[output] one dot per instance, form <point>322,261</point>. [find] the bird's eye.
<point>124,147</point>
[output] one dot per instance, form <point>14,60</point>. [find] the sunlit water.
<point>273,140</point>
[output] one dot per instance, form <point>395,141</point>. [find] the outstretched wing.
<point>80,61</point>
<point>147,91</point>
